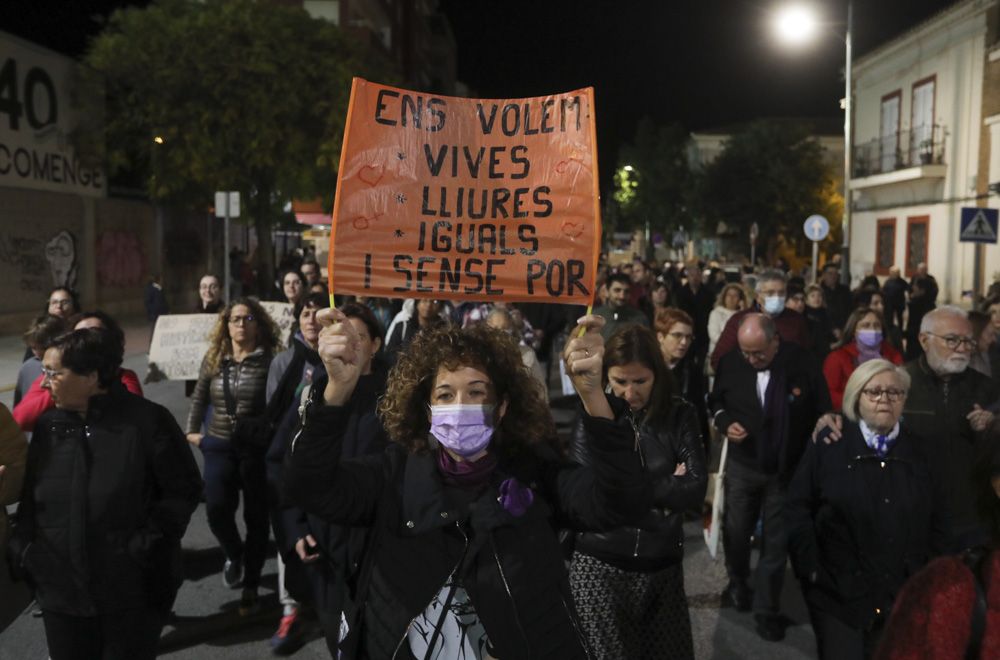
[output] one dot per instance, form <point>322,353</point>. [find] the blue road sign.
<point>978,225</point>
<point>816,227</point>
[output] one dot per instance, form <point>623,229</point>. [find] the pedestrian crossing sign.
<point>978,225</point>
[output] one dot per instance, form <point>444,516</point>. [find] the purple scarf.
<point>466,474</point>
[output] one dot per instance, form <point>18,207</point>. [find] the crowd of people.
<point>404,459</point>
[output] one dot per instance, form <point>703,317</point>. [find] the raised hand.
<point>337,346</point>
<point>584,358</point>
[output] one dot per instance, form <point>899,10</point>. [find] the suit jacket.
<point>734,399</point>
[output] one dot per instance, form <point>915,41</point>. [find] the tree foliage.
<point>249,96</point>
<point>771,173</point>
<point>659,187</point>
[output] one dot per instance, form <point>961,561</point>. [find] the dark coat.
<point>734,399</point>
<point>248,382</point>
<point>658,540</point>
<point>698,306</point>
<point>839,303</point>
<point>512,567</point>
<point>859,526</point>
<point>105,504</point>
<point>690,382</point>
<point>936,410</point>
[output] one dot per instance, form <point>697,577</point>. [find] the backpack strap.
<point>974,559</point>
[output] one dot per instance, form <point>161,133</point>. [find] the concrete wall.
<point>104,248</point>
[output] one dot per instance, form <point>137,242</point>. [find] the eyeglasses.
<point>50,374</point>
<point>954,341</point>
<point>680,336</point>
<point>242,320</point>
<point>754,355</point>
<point>61,302</point>
<point>892,396</point>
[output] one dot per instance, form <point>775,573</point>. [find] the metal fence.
<point>922,145</point>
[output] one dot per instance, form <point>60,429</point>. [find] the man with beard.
<point>948,403</point>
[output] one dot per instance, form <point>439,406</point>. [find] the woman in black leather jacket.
<point>233,379</point>
<point>628,582</point>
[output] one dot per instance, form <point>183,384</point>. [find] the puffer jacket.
<point>106,501</point>
<point>248,383</point>
<point>510,565</point>
<point>657,541</point>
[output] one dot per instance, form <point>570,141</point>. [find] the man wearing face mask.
<point>766,397</point>
<point>770,299</point>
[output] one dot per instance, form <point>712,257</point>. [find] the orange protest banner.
<point>466,199</point>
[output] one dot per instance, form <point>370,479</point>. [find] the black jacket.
<point>859,526</point>
<point>734,399</point>
<point>936,410</point>
<point>689,377</point>
<point>658,540</point>
<point>511,567</point>
<point>106,501</point>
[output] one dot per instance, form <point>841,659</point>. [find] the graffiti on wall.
<point>120,260</point>
<point>60,252</point>
<point>41,264</point>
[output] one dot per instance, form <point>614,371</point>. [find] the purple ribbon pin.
<point>515,497</point>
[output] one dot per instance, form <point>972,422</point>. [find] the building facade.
<point>924,111</point>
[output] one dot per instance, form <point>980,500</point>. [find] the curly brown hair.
<point>408,393</point>
<point>220,344</point>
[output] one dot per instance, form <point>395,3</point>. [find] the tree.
<point>653,181</point>
<point>771,173</point>
<point>222,95</point>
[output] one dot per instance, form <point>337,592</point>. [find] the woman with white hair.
<point>863,514</point>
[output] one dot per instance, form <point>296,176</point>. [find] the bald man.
<point>767,396</point>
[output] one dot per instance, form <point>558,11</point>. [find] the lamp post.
<point>796,24</point>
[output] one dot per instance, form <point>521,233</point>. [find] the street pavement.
<point>206,624</point>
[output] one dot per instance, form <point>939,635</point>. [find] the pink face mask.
<point>465,429</point>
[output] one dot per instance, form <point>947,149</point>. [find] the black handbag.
<point>250,435</point>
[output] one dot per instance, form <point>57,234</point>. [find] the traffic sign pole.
<point>225,256</point>
<point>816,228</point>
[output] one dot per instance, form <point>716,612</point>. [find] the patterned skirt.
<point>631,614</point>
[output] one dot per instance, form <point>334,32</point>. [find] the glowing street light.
<point>796,24</point>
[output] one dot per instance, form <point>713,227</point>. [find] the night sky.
<point>704,63</point>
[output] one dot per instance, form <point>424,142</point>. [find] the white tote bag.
<point>714,529</point>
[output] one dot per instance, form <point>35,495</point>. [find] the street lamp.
<point>795,25</point>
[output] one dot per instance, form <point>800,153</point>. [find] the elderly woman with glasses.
<point>863,514</point>
<point>233,378</point>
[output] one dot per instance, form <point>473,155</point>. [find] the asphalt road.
<point>207,625</point>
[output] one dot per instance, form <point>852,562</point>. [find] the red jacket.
<point>841,363</point>
<point>933,613</point>
<point>38,400</point>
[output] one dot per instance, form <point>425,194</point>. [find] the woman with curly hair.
<point>462,558</point>
<point>233,379</point>
<point>628,582</point>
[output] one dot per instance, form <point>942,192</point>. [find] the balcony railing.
<point>923,145</point>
